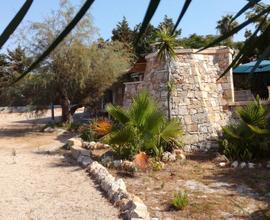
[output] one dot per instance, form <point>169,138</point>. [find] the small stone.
<point>251,165</point>
<point>92,145</point>
<point>86,161</point>
<point>268,164</point>
<point>222,164</point>
<point>234,164</point>
<point>128,167</point>
<point>242,165</point>
<point>49,129</point>
<point>168,157</point>
<point>259,165</point>
<point>117,163</point>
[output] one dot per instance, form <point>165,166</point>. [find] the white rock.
<point>168,157</point>
<point>268,164</point>
<point>75,151</point>
<point>243,165</point>
<point>137,209</point>
<point>49,129</point>
<point>222,164</point>
<point>74,141</point>
<point>117,163</point>
<point>92,145</point>
<point>234,164</point>
<point>251,165</point>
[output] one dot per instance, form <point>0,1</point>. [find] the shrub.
<point>142,128</point>
<point>250,137</point>
<point>86,133</point>
<point>180,200</point>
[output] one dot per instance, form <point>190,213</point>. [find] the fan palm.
<point>250,137</point>
<point>142,127</point>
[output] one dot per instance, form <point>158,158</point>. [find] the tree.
<point>225,25</point>
<point>123,33</point>
<point>168,24</point>
<point>144,45</point>
<point>79,71</point>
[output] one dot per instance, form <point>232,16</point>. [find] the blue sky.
<point>201,17</point>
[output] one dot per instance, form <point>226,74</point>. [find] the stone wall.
<point>197,98</point>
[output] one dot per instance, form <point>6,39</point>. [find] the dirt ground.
<point>213,192</point>
<point>36,182</point>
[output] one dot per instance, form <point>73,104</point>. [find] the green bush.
<point>86,133</point>
<point>250,137</point>
<point>142,127</point>
<point>180,200</point>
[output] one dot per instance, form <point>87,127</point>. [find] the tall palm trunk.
<point>168,67</point>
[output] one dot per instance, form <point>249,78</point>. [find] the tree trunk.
<point>168,65</point>
<point>66,114</point>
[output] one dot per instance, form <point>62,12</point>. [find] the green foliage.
<point>86,133</point>
<point>180,200</point>
<point>142,127</point>
<point>157,165</point>
<point>166,44</point>
<point>250,137</point>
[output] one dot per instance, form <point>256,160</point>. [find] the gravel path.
<point>36,183</point>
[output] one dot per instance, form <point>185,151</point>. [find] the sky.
<point>201,17</point>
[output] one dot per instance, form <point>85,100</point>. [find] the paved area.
<point>38,183</point>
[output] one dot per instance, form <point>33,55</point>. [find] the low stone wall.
<point>131,206</point>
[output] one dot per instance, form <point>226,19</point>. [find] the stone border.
<point>131,206</point>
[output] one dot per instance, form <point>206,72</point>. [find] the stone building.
<point>202,102</point>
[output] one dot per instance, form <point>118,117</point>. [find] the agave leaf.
<point>259,131</point>
<point>153,5</point>
<point>15,22</point>
<point>229,131</point>
<point>236,29</point>
<point>249,5</point>
<point>181,15</point>
<point>59,38</point>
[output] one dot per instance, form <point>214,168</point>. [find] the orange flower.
<point>102,127</point>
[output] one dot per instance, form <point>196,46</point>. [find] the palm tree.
<point>166,43</point>
<point>143,127</point>
<point>225,25</point>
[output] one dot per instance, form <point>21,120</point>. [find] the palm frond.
<point>172,131</point>
<point>253,114</point>
<point>141,107</point>
<point>249,5</point>
<point>15,22</point>
<point>118,113</point>
<point>153,5</point>
<point>181,15</point>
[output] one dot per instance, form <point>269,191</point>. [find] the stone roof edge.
<point>211,50</point>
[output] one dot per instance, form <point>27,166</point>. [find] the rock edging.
<point>131,206</point>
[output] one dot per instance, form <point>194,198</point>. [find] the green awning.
<point>246,68</point>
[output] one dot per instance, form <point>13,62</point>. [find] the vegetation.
<point>142,127</point>
<point>180,200</point>
<point>249,138</point>
<point>78,72</point>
